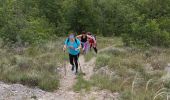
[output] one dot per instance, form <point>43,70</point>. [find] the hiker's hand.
<point>64,48</point>
<point>77,49</point>
<point>71,47</point>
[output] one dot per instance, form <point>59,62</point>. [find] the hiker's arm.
<point>88,36</point>
<point>79,36</point>
<point>94,40</point>
<point>79,47</point>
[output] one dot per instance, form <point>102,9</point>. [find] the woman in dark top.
<point>84,39</point>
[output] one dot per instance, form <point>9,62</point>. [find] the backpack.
<point>69,40</point>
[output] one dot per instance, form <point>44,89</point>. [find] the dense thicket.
<point>142,22</point>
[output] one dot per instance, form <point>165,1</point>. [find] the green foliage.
<point>150,27</point>
<point>79,15</point>
<point>21,23</point>
<point>148,34</point>
<point>141,23</point>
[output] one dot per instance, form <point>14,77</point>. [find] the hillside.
<point>116,72</point>
<point>39,49</point>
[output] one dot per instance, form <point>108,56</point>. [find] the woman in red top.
<point>84,38</point>
<point>92,42</point>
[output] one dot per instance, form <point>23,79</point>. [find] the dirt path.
<point>66,92</point>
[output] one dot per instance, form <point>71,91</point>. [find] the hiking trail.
<point>65,91</point>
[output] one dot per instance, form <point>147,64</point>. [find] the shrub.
<point>147,35</point>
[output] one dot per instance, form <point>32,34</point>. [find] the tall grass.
<point>104,43</point>
<point>89,56</point>
<point>35,66</point>
<point>144,85</point>
<point>81,84</point>
<point>109,41</point>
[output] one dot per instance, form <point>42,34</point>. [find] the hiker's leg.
<point>95,49</point>
<point>86,47</point>
<point>82,45</point>
<point>71,58</point>
<point>76,61</point>
<point>83,48</point>
<point>78,55</point>
<point>91,46</point>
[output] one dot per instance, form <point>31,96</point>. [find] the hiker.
<point>92,42</point>
<point>84,40</point>
<point>73,45</point>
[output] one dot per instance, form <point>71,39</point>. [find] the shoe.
<point>72,68</point>
<point>76,73</point>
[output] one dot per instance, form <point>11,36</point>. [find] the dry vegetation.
<point>32,66</point>
<point>138,74</point>
<point>134,73</point>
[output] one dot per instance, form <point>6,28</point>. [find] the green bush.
<point>147,35</point>
<point>22,24</point>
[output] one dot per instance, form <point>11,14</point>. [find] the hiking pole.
<point>80,66</point>
<point>65,71</point>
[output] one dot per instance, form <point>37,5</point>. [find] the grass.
<point>102,60</point>
<point>109,41</point>
<point>89,56</point>
<point>103,43</point>
<point>139,73</point>
<point>34,66</point>
<point>82,84</point>
<point>104,82</point>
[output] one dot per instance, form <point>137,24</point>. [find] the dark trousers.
<point>74,60</point>
<point>95,48</point>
